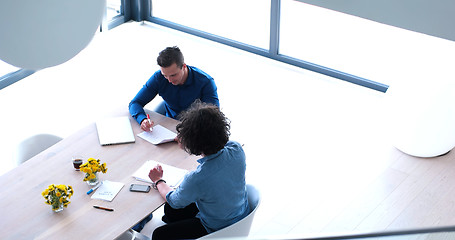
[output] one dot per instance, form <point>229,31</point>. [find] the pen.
<point>103,208</point>
<point>94,188</point>
<point>150,121</point>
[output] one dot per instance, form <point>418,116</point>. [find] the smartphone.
<point>139,188</point>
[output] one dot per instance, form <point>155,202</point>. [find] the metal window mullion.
<point>275,11</point>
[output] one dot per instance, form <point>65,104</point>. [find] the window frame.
<point>272,52</point>
<point>141,10</point>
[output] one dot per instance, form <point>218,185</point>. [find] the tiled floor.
<point>317,148</point>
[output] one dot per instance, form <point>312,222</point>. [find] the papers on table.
<point>171,174</point>
<point>158,135</point>
<point>108,190</point>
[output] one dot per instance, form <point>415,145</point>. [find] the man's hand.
<point>147,125</point>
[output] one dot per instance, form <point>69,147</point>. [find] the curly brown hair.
<point>203,129</point>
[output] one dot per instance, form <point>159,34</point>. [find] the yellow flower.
<point>91,167</point>
<point>103,168</point>
<point>57,194</point>
<point>70,191</point>
<point>45,192</point>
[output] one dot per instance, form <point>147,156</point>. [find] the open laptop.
<point>115,130</point>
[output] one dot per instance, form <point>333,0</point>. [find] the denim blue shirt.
<point>217,187</point>
<point>198,85</point>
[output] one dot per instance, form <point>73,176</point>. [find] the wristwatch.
<point>154,185</point>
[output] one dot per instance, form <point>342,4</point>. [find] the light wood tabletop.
<point>24,214</point>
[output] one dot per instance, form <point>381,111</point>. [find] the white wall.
<point>432,17</point>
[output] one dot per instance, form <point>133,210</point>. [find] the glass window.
<point>354,45</point>
<point>243,21</point>
<point>113,8</point>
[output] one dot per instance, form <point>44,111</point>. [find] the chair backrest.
<point>242,227</point>
<point>33,145</point>
<point>132,235</point>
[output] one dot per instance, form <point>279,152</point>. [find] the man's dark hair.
<point>169,56</point>
<point>203,129</point>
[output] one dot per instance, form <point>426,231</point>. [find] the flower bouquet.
<point>91,168</point>
<point>57,196</point>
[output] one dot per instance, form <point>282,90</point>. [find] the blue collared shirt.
<point>198,85</point>
<point>217,187</point>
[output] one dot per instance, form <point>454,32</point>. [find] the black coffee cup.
<point>77,162</point>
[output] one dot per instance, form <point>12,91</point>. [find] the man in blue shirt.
<point>214,195</point>
<point>177,83</point>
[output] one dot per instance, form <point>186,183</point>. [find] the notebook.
<point>158,135</point>
<point>171,174</point>
<point>115,131</point>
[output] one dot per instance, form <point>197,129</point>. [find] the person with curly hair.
<point>177,83</point>
<point>214,195</point>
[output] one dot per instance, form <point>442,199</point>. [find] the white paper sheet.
<point>108,190</point>
<point>158,135</point>
<point>171,174</point>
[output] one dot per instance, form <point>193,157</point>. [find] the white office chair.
<point>132,235</point>
<point>33,145</point>
<point>242,227</point>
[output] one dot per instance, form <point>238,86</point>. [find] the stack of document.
<point>171,174</point>
<point>158,135</point>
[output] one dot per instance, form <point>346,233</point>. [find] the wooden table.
<point>24,215</point>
